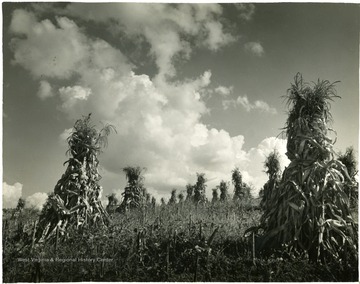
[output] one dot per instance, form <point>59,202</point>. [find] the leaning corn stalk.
<point>310,210</point>
<point>76,198</point>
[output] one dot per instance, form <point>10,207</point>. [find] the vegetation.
<point>268,193</point>
<point>301,230</point>
<point>135,192</point>
<point>310,211</point>
<point>351,185</point>
<point>241,189</point>
<point>200,188</point>
<point>224,195</point>
<point>75,201</point>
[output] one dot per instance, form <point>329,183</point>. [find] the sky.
<point>190,88</point>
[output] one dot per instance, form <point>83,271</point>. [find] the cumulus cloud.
<point>224,91</point>
<point>11,194</point>
<point>57,50</point>
<point>45,90</point>
<point>248,106</point>
<point>54,51</point>
<point>162,26</point>
<point>245,10</point>
<point>158,120</point>
<point>255,48</point>
<point>71,95</point>
<point>36,200</point>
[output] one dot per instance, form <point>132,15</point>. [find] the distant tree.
<point>215,195</point>
<point>224,195</point>
<point>199,189</point>
<point>173,198</point>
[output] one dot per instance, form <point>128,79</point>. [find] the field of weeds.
<point>180,242</point>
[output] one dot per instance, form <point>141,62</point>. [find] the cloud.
<point>71,95</point>
<point>224,91</point>
<point>36,200</point>
<point>11,194</point>
<point>246,11</point>
<point>45,90</point>
<point>170,29</point>
<point>216,37</point>
<point>22,22</point>
<point>47,50</point>
<point>58,50</point>
<point>158,120</point>
<point>255,48</point>
<point>248,106</point>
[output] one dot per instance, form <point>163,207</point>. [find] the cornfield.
<point>302,229</point>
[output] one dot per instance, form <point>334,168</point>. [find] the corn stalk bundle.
<point>215,195</point>
<point>268,193</point>
<point>351,188</point>
<point>199,189</point>
<point>223,187</point>
<point>241,189</point>
<point>135,192</point>
<point>310,210</point>
<point>76,197</point>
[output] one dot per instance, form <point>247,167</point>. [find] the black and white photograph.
<point>180,142</point>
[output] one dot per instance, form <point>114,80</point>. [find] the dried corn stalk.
<point>76,198</point>
<point>135,192</point>
<point>310,210</point>
<point>268,193</point>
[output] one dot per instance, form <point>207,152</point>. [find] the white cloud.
<point>45,90</point>
<point>246,11</point>
<point>248,106</point>
<point>158,120</point>
<point>162,26</point>
<point>11,194</point>
<point>216,37</point>
<point>47,50</point>
<point>71,95</point>
<point>22,22</point>
<point>224,91</point>
<point>36,200</point>
<point>255,48</point>
<point>58,51</point>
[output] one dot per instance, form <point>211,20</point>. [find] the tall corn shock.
<point>268,193</point>
<point>310,211</point>
<point>76,198</point>
<point>199,189</point>
<point>135,192</point>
